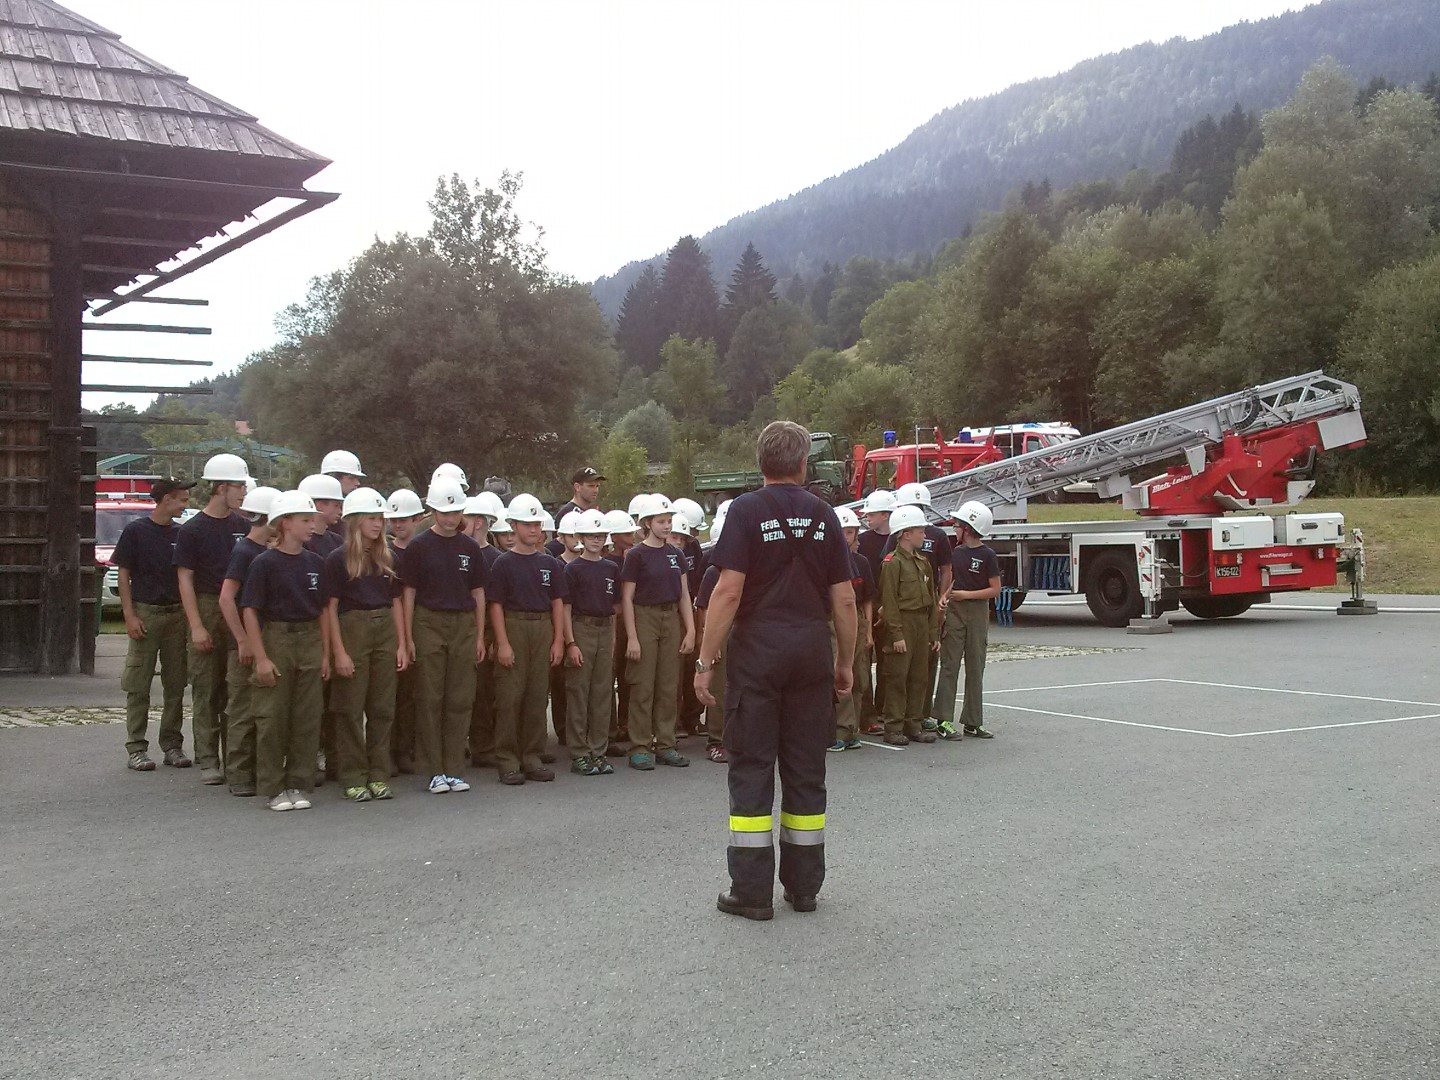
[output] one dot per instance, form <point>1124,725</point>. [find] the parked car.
<point>111,517</point>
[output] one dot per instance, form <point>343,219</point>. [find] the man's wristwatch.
<point>702,668</point>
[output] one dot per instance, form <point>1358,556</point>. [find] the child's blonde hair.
<point>365,557</point>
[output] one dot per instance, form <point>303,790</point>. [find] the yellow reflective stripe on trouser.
<point>751,831</point>
<point>802,828</point>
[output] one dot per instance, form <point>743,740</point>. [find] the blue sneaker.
<point>642,760</point>
<point>837,747</point>
<point>439,785</point>
<point>852,744</point>
<point>929,725</point>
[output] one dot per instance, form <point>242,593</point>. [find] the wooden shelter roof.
<point>62,74</point>
<point>148,163</point>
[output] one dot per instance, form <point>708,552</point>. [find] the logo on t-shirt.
<point>976,564</point>
<point>674,562</point>
<point>464,564</point>
<point>609,586</point>
<point>545,577</point>
<point>314,580</point>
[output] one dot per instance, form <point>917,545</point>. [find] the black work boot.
<point>801,902</point>
<point>734,905</point>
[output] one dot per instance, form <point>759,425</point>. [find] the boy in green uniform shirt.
<point>907,602</point>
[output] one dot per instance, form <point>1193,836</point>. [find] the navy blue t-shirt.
<point>203,546</point>
<point>283,587</point>
<point>935,547</point>
<point>324,543</point>
<point>356,594</point>
<point>593,587</point>
<point>754,543</point>
<point>707,586</point>
<point>873,548</point>
<point>488,554</point>
<point>526,582</point>
<point>147,550</point>
<point>694,556</point>
<point>442,570</point>
<point>246,552</point>
<point>974,567</point>
<point>555,548</point>
<point>863,578</point>
<point>656,572</point>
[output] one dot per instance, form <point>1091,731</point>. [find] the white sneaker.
<point>439,785</point>
<point>299,800</point>
<point>457,784</point>
<point>281,801</point>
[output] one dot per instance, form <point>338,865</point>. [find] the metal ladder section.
<point>1107,456</point>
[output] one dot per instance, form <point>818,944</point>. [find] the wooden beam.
<point>79,177</point>
<point>144,360</point>
<point>146,328</point>
<point>169,215</point>
<point>184,300</point>
<point>121,388</point>
<point>173,421</point>
<point>234,243</point>
<point>140,241</point>
<point>130,271</point>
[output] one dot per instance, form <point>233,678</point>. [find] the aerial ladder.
<point>1248,451</point>
<point>1329,407</point>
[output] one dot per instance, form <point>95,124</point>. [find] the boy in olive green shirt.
<point>907,603</point>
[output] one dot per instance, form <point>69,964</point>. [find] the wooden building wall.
<point>47,560</point>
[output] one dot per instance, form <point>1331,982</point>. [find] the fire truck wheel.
<point>1217,607</point>
<point>1112,588</point>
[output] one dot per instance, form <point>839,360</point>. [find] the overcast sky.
<point>633,122</point>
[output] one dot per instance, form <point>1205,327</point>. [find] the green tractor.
<point>827,473</point>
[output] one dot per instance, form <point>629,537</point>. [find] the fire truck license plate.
<point>1227,571</point>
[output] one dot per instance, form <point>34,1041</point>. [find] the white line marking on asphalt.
<point>881,745</point>
<point>1075,686</point>
<point>1308,693</point>
<point>1324,727</point>
<point>1108,720</point>
<point>1326,607</point>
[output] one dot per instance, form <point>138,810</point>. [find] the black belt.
<point>593,620</point>
<point>527,616</point>
<point>285,626</point>
<point>663,603</point>
<point>164,608</point>
<point>372,612</point>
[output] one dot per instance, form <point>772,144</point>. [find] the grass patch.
<point>1399,535</point>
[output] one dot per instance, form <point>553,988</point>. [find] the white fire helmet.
<point>588,523</point>
<point>403,503</point>
<point>691,511</point>
<point>363,500</point>
<point>912,495</point>
<point>341,463</point>
<point>847,517</point>
<point>618,522</point>
<point>226,469</point>
<point>526,507</point>
<point>258,500</point>
<point>445,496</point>
<point>449,471</point>
<point>320,486</point>
<point>290,502</point>
<point>879,502</point>
<point>978,516</point>
<point>906,517</point>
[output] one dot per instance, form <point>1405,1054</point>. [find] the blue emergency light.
<point>890,438</point>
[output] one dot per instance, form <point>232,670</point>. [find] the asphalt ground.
<point>1162,866</point>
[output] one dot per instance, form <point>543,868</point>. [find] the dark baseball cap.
<point>586,475</point>
<point>164,486</point>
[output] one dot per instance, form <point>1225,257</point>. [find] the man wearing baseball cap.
<point>155,623</point>
<point>586,487</point>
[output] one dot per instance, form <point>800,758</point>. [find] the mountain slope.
<point>1100,119</point>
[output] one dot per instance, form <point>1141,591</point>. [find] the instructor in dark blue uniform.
<point>784,573</point>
